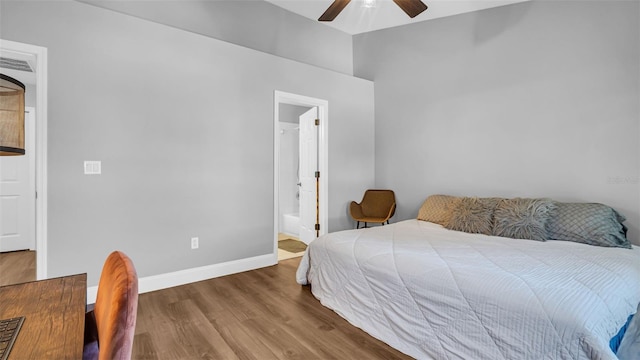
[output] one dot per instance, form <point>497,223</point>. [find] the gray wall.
<point>183,125</point>
<point>255,24</point>
<point>533,99</point>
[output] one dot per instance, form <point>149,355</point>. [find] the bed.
<point>436,293</point>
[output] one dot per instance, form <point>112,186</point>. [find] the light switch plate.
<point>93,167</point>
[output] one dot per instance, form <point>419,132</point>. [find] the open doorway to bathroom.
<point>289,244</point>
<point>299,165</point>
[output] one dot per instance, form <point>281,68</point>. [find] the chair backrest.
<point>116,307</point>
<point>378,203</point>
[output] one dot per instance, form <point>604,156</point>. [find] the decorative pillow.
<point>436,208</point>
<point>472,215</point>
<point>588,223</point>
<point>522,218</point>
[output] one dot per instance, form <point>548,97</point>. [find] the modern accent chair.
<point>110,326</point>
<point>377,206</point>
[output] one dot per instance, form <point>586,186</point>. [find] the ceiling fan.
<point>411,7</point>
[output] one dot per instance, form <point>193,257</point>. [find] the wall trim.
<point>182,277</point>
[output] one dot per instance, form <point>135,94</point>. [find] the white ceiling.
<point>356,19</point>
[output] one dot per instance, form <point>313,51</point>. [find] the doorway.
<point>300,171</point>
<point>35,78</point>
<point>18,210</point>
<point>18,194</point>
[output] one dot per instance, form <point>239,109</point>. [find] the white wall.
<point>537,99</point>
<point>183,125</point>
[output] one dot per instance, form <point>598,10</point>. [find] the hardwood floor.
<point>259,314</point>
<point>17,267</point>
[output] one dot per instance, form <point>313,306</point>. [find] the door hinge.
<point>317,122</point>
<point>317,174</point>
<point>317,227</point>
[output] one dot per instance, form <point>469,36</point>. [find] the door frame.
<point>41,158</point>
<point>31,135</point>
<point>281,97</point>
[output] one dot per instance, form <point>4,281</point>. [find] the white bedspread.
<point>433,293</point>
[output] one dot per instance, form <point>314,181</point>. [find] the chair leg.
<point>358,225</point>
<point>387,221</point>
<point>365,225</point>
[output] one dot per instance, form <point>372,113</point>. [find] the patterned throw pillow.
<point>522,218</point>
<point>588,223</point>
<point>472,215</point>
<point>436,208</point>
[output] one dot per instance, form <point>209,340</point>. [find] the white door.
<point>308,167</point>
<point>17,194</point>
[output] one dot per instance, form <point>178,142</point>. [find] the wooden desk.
<point>54,311</point>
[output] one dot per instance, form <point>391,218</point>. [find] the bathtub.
<point>291,224</point>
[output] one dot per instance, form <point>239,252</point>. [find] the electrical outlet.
<point>194,243</point>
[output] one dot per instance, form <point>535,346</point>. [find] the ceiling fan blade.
<point>411,7</point>
<point>333,10</point>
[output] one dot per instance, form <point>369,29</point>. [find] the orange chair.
<point>377,206</point>
<point>110,326</point>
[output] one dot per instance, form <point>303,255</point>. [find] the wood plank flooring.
<point>259,314</point>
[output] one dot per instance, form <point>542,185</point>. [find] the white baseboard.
<point>177,278</point>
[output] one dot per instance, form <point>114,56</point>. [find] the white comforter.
<point>433,293</point>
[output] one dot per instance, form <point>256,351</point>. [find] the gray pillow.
<point>471,215</point>
<point>522,218</point>
<point>588,223</point>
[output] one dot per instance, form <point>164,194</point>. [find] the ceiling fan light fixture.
<point>11,116</point>
<point>334,9</point>
<point>368,3</point>
<point>410,7</point>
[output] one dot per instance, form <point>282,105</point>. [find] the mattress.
<point>434,293</point>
